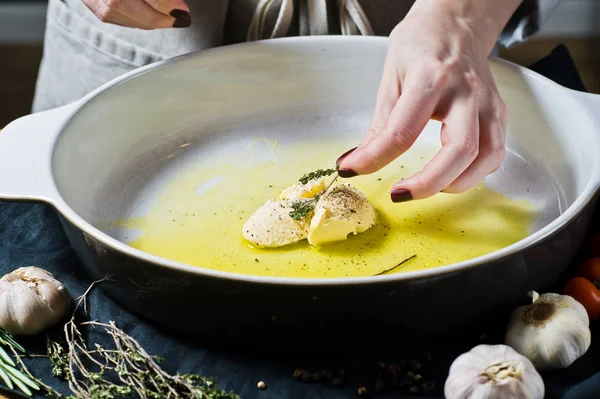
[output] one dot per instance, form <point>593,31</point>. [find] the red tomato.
<point>586,293</point>
<point>590,269</point>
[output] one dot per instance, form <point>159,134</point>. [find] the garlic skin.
<point>493,372</point>
<point>552,332</point>
<point>31,300</point>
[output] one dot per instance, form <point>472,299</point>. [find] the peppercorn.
<point>297,374</point>
<point>362,391</point>
<point>302,375</point>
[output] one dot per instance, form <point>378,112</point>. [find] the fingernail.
<point>347,173</point>
<point>401,195</point>
<point>344,155</point>
<point>183,19</point>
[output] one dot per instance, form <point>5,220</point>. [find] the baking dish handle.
<point>26,146</point>
<point>591,103</point>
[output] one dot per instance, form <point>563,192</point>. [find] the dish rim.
<point>585,197</point>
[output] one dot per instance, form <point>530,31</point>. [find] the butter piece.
<point>299,190</point>
<point>272,226</point>
<point>341,211</point>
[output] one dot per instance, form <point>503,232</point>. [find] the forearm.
<point>484,19</point>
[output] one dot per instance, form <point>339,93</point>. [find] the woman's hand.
<point>437,68</point>
<point>142,14</point>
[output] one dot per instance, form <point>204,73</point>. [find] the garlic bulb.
<point>552,332</point>
<point>493,372</point>
<point>31,300</point>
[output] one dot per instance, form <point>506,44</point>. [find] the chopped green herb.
<point>317,174</point>
<point>301,209</point>
<point>397,266</point>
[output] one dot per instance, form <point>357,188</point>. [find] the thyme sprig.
<point>317,174</point>
<point>302,208</point>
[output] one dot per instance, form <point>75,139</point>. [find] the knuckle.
<point>105,12</point>
<point>114,4</point>
<point>497,154</point>
<point>152,22</point>
<point>469,148</point>
<point>435,75</point>
<point>502,111</point>
<point>400,139</point>
<point>472,80</point>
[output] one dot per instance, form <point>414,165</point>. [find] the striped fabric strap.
<point>353,20</point>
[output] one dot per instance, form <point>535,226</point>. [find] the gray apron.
<point>81,53</point>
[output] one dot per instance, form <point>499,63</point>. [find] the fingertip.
<point>183,19</point>
<point>344,155</point>
<point>400,195</point>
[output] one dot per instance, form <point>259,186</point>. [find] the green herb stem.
<point>395,267</point>
<point>317,174</point>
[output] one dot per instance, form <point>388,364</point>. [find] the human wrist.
<point>484,19</point>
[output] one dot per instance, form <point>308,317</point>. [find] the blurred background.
<point>576,24</point>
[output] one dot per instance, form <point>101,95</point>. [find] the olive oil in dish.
<point>197,219</point>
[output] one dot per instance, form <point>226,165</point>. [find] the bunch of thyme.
<point>125,370</point>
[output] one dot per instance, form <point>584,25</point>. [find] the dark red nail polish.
<point>344,155</point>
<point>183,19</point>
<point>401,195</point>
<point>347,173</point>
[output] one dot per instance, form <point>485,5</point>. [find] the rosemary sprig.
<point>7,340</point>
<point>395,267</point>
<point>9,374</point>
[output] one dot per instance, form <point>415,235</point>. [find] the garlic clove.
<point>493,372</point>
<point>552,332</point>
